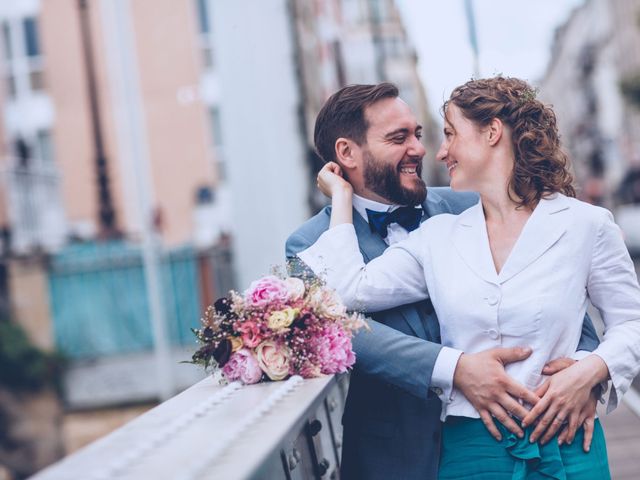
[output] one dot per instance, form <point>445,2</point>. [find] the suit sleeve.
<point>403,361</point>
<point>589,340</point>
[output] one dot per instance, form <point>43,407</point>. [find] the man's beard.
<point>384,179</point>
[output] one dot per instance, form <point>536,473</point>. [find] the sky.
<point>514,38</point>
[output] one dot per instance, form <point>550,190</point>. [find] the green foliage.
<point>23,367</point>
<point>630,88</point>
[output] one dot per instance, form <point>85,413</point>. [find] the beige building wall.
<point>179,142</point>
<point>177,131</point>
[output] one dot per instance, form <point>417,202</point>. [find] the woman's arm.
<point>613,289</point>
<point>394,278</point>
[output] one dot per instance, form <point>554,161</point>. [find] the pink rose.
<point>242,366</point>
<point>250,333</point>
<point>266,291</point>
<point>334,349</point>
<point>273,359</point>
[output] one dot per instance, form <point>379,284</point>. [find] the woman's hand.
<point>331,181</point>
<point>565,397</point>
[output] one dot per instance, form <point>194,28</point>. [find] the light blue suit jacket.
<point>391,419</point>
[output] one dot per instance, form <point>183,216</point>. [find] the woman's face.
<point>464,150</point>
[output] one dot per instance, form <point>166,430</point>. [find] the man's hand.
<point>568,396</point>
<point>483,381</point>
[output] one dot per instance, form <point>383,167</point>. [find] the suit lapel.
<point>372,246</point>
<point>544,228</point>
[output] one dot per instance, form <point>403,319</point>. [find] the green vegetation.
<point>23,367</point>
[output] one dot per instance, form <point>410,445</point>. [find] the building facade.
<point>594,53</point>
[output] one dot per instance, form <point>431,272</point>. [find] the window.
<point>31,41</point>
<point>203,8</point>
<point>45,147</point>
<point>22,62</point>
<point>33,53</point>
<point>203,16</point>
<point>7,69</point>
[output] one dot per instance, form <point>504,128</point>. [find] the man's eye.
<point>398,139</point>
<point>419,135</point>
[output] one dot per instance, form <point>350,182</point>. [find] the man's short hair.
<point>342,115</point>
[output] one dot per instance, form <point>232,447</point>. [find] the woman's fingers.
<point>553,423</point>
<point>539,407</point>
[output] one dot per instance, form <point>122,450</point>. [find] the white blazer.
<point>568,252</point>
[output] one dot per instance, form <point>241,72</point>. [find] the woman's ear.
<point>495,131</point>
<point>346,153</point>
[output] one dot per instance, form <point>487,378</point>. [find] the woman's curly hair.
<point>541,167</point>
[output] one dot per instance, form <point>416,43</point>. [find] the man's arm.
<point>407,362</point>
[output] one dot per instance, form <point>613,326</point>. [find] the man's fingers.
<point>554,366</point>
<point>512,406</point>
<point>501,415</point>
<point>513,354</point>
<point>488,422</point>
<point>574,423</point>
<point>518,391</point>
<point>588,433</point>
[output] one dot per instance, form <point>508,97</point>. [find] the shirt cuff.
<point>580,354</point>
<point>443,370</point>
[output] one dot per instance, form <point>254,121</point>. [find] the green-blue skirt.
<point>470,452</point>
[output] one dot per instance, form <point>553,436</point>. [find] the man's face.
<point>392,155</point>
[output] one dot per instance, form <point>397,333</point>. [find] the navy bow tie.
<point>407,217</point>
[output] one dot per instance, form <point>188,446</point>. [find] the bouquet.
<point>279,327</point>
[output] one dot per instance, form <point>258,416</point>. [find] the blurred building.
<point>594,54</point>
<point>190,117</point>
<point>341,42</point>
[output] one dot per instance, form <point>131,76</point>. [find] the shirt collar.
<point>361,205</point>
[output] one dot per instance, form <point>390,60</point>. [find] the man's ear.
<point>494,131</point>
<point>346,151</point>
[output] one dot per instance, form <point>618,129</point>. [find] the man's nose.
<point>417,148</point>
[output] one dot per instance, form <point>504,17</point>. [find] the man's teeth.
<point>411,170</point>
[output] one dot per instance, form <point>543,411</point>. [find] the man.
<point>391,419</point>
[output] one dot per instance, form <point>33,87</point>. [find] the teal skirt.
<point>470,452</point>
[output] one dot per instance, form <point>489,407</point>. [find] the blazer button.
<point>493,334</point>
<point>492,300</point>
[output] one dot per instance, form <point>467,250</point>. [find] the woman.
<point>515,269</point>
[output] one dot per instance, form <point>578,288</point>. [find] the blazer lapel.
<point>372,246</point>
<point>471,241</point>
<point>543,229</point>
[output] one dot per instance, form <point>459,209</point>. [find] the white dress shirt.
<point>568,252</point>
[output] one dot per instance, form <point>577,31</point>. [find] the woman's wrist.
<point>595,370</point>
